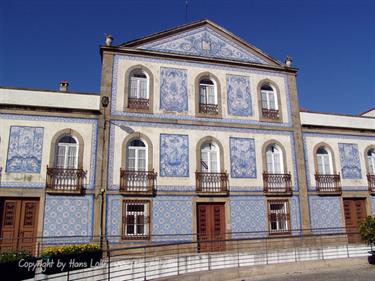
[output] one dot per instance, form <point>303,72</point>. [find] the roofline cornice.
<point>131,51</point>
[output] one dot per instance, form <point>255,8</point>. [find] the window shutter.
<point>143,88</point>
<point>141,160</point>
<point>213,162</point>
<point>133,87</point>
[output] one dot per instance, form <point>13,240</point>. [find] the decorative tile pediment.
<point>204,42</point>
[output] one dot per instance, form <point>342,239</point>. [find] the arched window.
<point>371,161</point>
<point>138,96</point>
<point>67,153</point>
<point>324,161</point>
<point>268,97</point>
<point>274,158</point>
<point>136,156</point>
<point>208,101</point>
<point>138,84</point>
<point>210,158</point>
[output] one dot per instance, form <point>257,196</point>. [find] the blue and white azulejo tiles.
<point>174,155</point>
<point>349,159</point>
<point>238,95</point>
<point>24,149</point>
<point>173,90</point>
<point>242,158</point>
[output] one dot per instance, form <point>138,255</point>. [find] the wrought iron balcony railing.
<point>63,180</point>
<point>137,182</point>
<point>328,184</point>
<point>371,183</point>
<point>270,113</point>
<point>277,184</point>
<point>211,183</point>
<point>138,103</point>
<point>212,109</point>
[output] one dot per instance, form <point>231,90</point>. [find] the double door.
<point>19,220</point>
<point>355,212</point>
<point>211,227</point>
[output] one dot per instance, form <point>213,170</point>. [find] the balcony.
<point>61,180</point>
<point>277,184</point>
<point>328,184</point>
<point>210,109</point>
<point>211,183</point>
<point>273,114</point>
<point>371,183</point>
<point>138,103</point>
<point>137,182</point>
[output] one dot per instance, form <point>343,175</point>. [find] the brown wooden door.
<point>19,224</point>
<point>355,211</point>
<point>211,227</point>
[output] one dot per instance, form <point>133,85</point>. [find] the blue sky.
<point>332,42</point>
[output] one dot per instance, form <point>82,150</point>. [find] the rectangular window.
<point>279,216</point>
<point>135,219</point>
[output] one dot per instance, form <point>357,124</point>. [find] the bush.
<point>367,230</point>
<point>13,256</point>
<point>69,249</point>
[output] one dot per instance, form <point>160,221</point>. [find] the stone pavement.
<point>351,273</point>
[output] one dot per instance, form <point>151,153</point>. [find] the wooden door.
<point>211,227</point>
<point>19,224</point>
<point>355,211</point>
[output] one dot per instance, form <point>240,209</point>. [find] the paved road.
<point>355,273</point>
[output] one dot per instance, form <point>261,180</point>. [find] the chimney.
<point>63,86</point>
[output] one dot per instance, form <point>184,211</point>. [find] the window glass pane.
<point>269,157</point>
<point>60,161</point>
<point>72,157</point>
<point>202,95</point>
<point>327,164</point>
<point>143,88</point>
<point>213,162</point>
<point>264,100</point>
<point>272,102</point>
<point>371,162</point>
<point>133,87</point>
<point>211,95</point>
<point>204,161</point>
<point>135,207</point>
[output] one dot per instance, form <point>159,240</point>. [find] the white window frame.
<point>273,163</point>
<point>321,157</point>
<point>138,80</point>
<point>205,86</point>
<point>67,146</point>
<point>136,214</point>
<point>136,155</point>
<point>371,161</point>
<point>207,148</point>
<point>279,224</point>
<point>267,94</point>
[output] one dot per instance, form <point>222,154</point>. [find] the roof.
<point>189,39</point>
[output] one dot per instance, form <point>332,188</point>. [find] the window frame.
<point>217,150</point>
<point>331,158</point>
<point>288,229</point>
<point>66,152</point>
<point>147,218</point>
<point>217,91</point>
<point>276,90</point>
<point>281,160</point>
<point>368,149</point>
<point>127,89</point>
<point>136,157</point>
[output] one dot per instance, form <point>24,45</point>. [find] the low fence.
<point>149,262</point>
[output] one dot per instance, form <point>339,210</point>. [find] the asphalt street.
<point>355,273</point>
